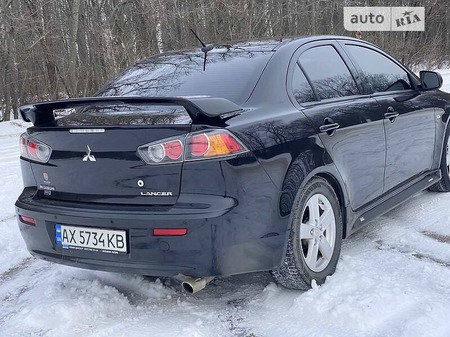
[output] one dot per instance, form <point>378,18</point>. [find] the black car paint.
<point>237,210</point>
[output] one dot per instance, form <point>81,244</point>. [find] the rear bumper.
<point>224,237</point>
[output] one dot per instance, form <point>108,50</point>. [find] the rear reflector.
<point>27,220</point>
<point>169,231</point>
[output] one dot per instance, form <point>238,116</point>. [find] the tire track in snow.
<point>8,217</point>
<point>410,251</point>
<point>16,282</point>
<point>15,271</point>
<point>19,277</point>
<point>438,237</point>
<point>235,318</point>
<point>14,287</point>
<point>236,293</point>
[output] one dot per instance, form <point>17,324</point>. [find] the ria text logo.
<point>384,18</point>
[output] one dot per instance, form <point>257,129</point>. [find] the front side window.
<point>377,71</point>
<point>327,73</point>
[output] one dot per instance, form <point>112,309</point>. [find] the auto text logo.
<point>384,18</point>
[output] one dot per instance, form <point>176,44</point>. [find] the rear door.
<point>409,118</point>
<point>94,156</point>
<point>349,124</point>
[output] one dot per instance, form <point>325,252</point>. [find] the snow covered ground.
<point>393,279</point>
<point>446,77</point>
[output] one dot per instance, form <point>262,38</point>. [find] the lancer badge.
<point>88,155</point>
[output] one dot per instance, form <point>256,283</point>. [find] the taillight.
<point>166,151</point>
<point>33,149</point>
<point>23,145</point>
<point>198,144</point>
<point>174,149</point>
<point>210,144</point>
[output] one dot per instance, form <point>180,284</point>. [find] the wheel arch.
<point>338,190</point>
<point>300,172</point>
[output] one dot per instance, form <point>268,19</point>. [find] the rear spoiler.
<point>199,108</point>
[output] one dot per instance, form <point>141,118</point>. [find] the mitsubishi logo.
<point>88,155</point>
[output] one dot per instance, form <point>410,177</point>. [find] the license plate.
<point>91,239</point>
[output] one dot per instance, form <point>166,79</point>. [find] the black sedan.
<point>235,158</point>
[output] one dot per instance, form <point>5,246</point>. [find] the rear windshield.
<point>230,75</point>
<point>122,114</point>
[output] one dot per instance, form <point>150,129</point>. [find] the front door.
<point>409,118</point>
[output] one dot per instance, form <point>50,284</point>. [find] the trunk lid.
<point>94,156</point>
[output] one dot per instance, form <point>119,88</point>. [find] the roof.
<point>267,44</point>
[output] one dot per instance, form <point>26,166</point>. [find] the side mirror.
<point>430,80</point>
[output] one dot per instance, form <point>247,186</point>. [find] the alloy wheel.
<point>317,232</point>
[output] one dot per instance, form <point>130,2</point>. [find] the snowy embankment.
<point>393,279</point>
<point>446,77</point>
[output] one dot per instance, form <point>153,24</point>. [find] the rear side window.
<point>378,72</point>
<point>300,87</point>
<point>327,73</point>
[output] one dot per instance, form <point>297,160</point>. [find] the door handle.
<point>391,114</point>
<point>329,128</point>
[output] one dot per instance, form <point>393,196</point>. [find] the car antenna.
<point>205,48</point>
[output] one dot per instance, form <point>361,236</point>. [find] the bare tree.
<point>52,48</point>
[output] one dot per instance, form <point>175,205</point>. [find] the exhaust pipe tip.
<point>193,285</point>
<point>187,287</point>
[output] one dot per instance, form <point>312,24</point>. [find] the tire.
<point>443,185</point>
<point>312,251</point>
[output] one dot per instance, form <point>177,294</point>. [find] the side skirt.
<point>391,200</point>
